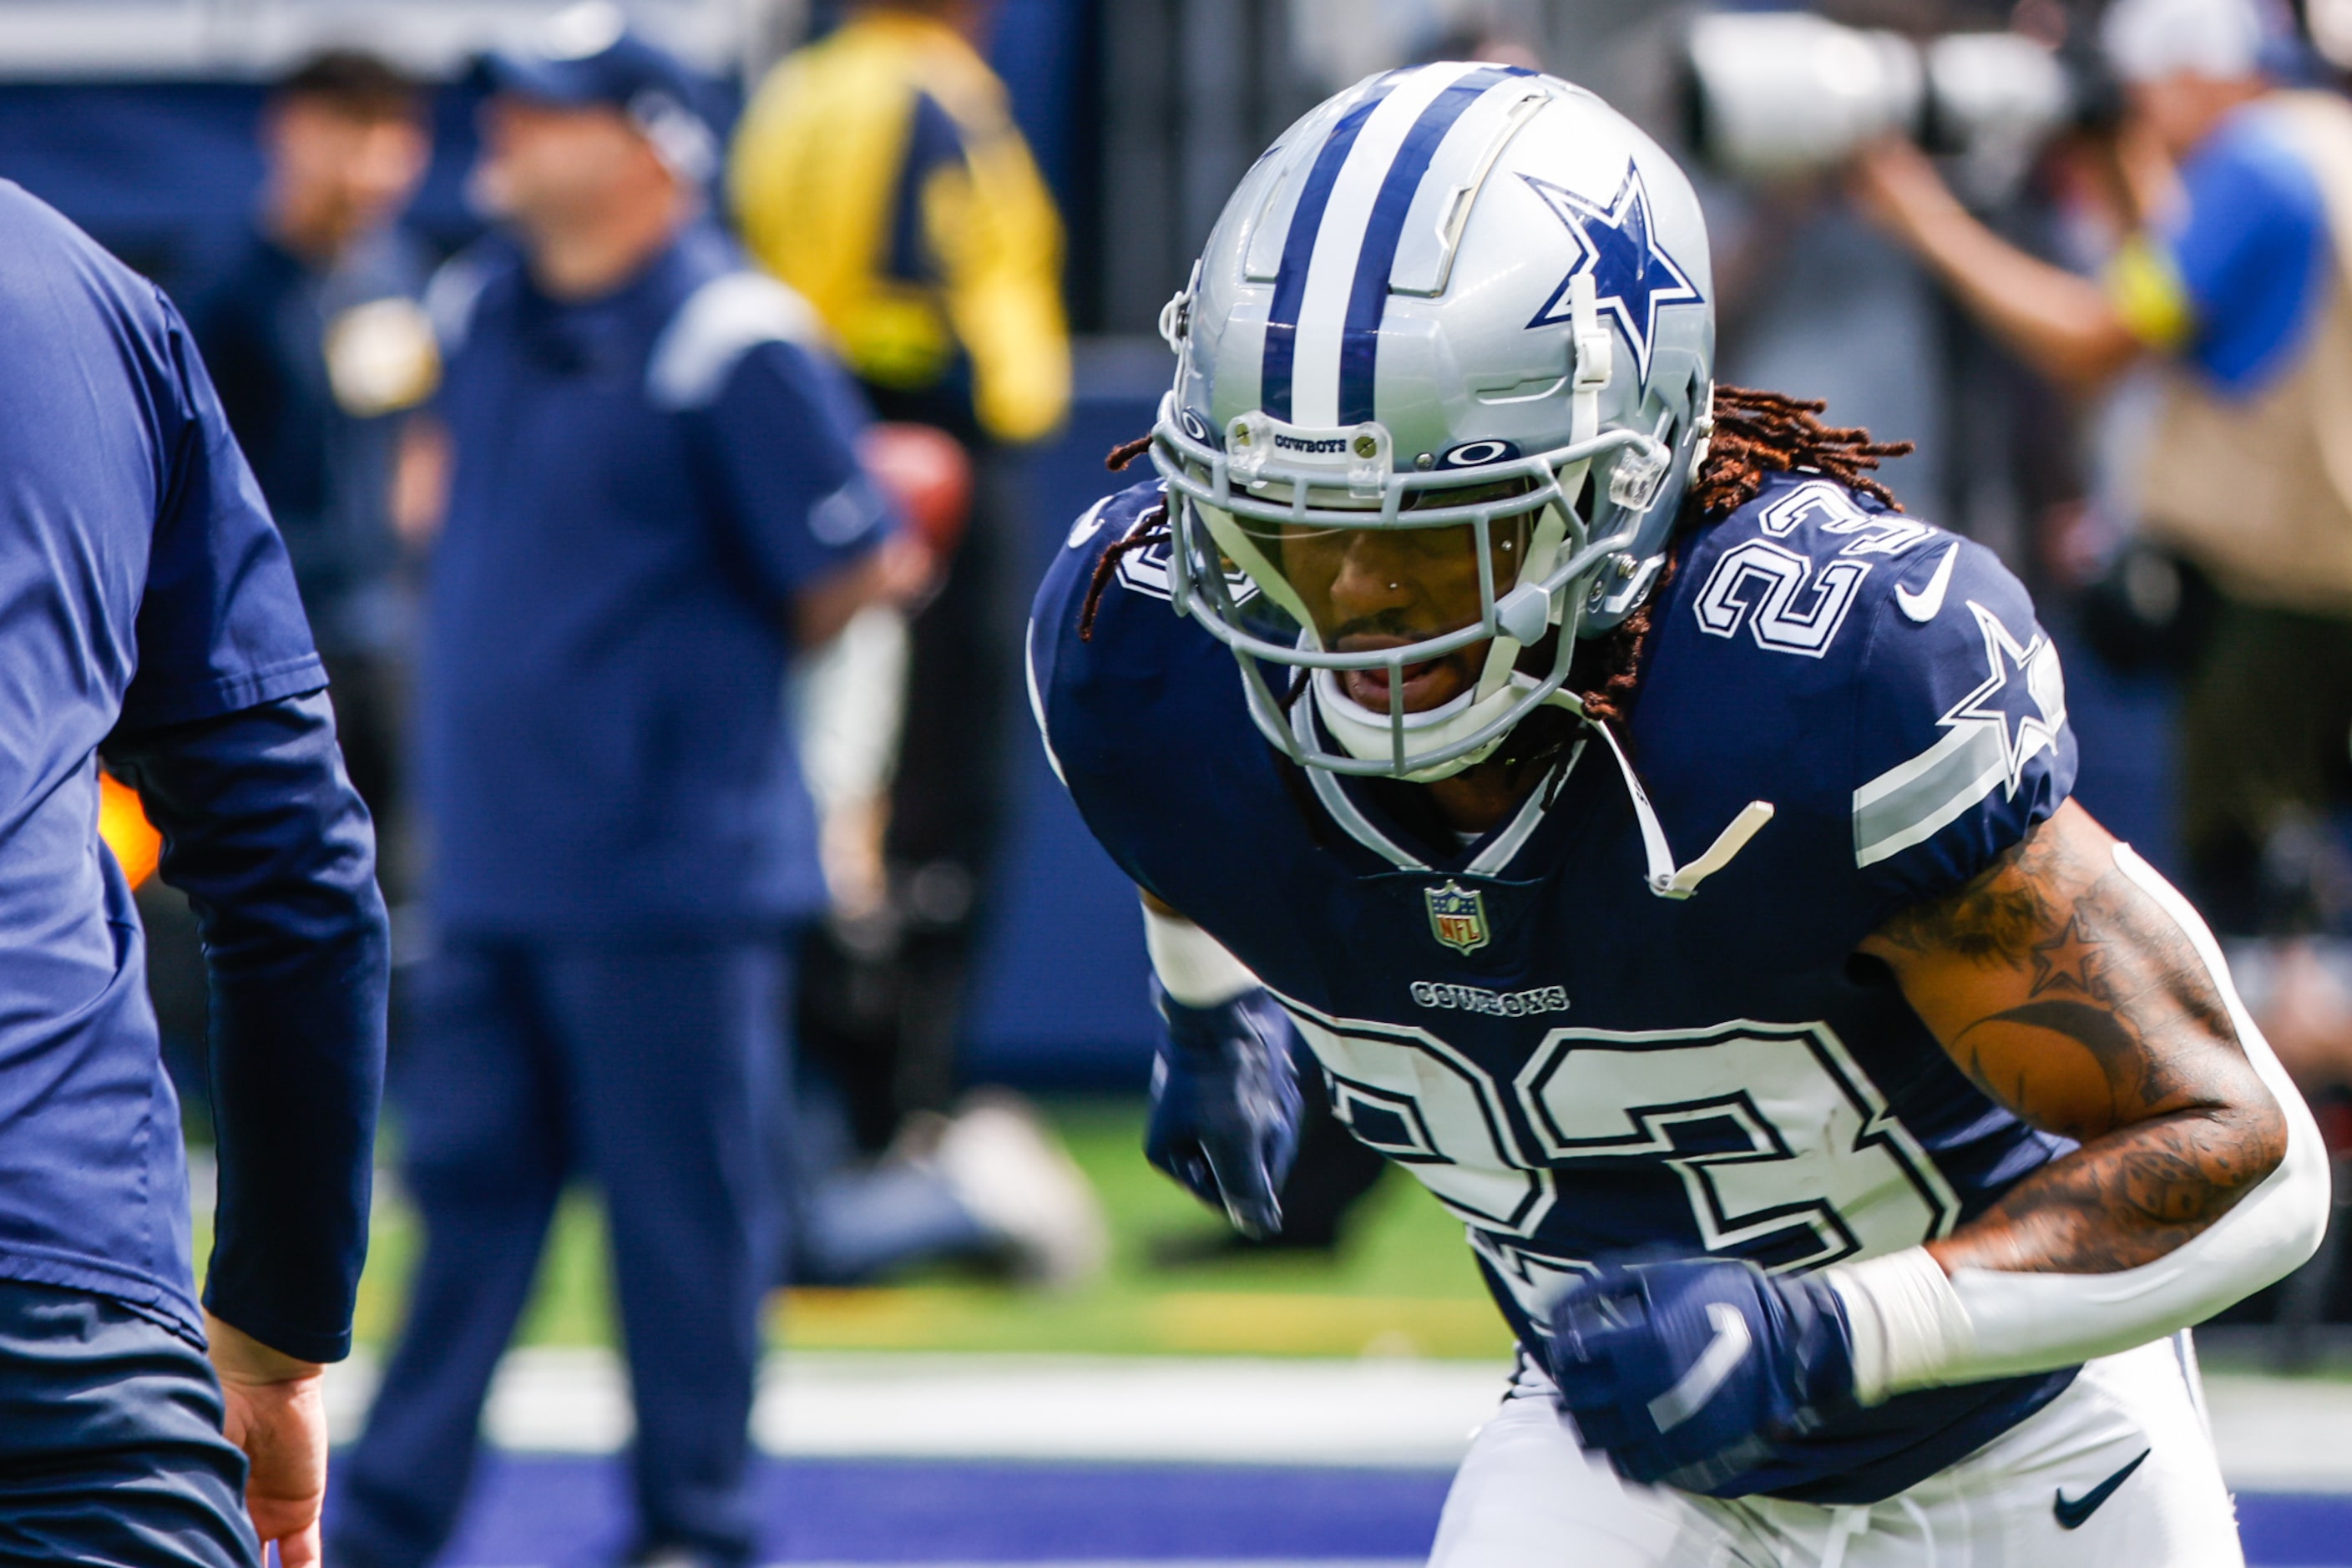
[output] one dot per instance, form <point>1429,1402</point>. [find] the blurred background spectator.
<point>322,354</point>
<point>655,498</point>
<point>309,322</point>
<point>2224,272</point>
<point>879,172</point>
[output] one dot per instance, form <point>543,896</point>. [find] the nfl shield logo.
<point>1457,917</point>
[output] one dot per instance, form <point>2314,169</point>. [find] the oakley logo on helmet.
<point>1473,454</point>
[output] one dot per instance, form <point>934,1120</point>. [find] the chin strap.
<point>1595,349</point>
<point>1595,357</point>
<point>1667,879</point>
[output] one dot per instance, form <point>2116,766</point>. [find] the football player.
<point>1662,843</point>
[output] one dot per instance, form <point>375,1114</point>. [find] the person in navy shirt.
<point>655,501</point>
<point>154,622</point>
<point>322,353</point>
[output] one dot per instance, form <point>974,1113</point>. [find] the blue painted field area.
<point>547,1512</point>
<point>562,1512</point>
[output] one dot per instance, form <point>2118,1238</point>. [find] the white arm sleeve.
<point>1913,1328</point>
<point>1191,967</point>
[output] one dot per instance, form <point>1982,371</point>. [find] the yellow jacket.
<point>879,172</point>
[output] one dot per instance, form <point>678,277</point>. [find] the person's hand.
<point>900,572</point>
<point>2306,1016</point>
<point>1682,1372</point>
<point>1897,187</point>
<point>928,472</point>
<point>907,570</point>
<point>274,1410</point>
<point>1225,1105</point>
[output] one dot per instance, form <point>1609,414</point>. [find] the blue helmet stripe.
<point>1368,297</point>
<point>1298,250</point>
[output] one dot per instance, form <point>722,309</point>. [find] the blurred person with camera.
<point>153,624</point>
<point>323,354</point>
<point>655,501</point>
<point>2233,285</point>
<point>879,172</point>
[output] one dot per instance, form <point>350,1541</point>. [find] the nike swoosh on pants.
<point>2073,1512</point>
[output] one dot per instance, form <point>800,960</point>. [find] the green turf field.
<point>1403,1286</point>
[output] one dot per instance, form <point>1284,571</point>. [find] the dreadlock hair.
<point>1151,529</point>
<point>1757,435</point>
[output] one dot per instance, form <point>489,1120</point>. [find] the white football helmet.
<point>1461,299</point>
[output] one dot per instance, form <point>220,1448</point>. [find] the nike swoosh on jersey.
<point>1928,603</point>
<point>1688,1396</point>
<point>2073,1512</point>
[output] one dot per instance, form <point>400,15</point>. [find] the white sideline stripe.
<point>1183,1409</point>
<point>2274,1434</point>
<point>2282,1434</point>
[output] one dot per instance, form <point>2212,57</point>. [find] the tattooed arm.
<point>2066,993</point>
<point>2078,989</point>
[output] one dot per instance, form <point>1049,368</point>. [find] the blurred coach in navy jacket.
<point>655,499</point>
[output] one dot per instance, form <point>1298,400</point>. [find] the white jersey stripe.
<point>1910,802</point>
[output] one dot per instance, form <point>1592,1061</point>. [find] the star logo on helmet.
<point>2021,700</point>
<point>1631,278</point>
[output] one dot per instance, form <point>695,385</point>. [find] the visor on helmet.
<point>1365,588</point>
<point>1417,680</point>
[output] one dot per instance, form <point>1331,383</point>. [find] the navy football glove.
<point>1685,1372</point>
<point>1224,1105</point>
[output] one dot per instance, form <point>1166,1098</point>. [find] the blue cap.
<point>587,56</point>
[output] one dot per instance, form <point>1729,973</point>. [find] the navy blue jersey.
<point>1575,1067</point>
<point>642,481</point>
<point>146,594</point>
<point>316,370</point>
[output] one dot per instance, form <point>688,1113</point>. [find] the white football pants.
<point>1529,1497</point>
